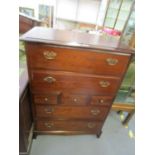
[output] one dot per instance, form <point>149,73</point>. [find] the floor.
<point>116,139</point>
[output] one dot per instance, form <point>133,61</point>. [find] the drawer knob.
<point>101,101</point>
<point>91,125</point>
<point>95,111</point>
<point>50,55</point>
<point>75,100</point>
<point>49,79</point>
<point>112,61</point>
<point>104,83</point>
<point>49,125</point>
<point>46,99</point>
<point>48,110</point>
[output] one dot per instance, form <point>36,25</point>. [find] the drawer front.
<point>55,125</point>
<point>82,61</point>
<point>47,98</point>
<point>74,99</point>
<point>101,100</point>
<point>67,112</point>
<point>49,81</point>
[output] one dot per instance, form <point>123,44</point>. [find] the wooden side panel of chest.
<point>73,88</point>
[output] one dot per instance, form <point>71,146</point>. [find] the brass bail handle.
<point>49,125</point>
<point>50,55</point>
<point>104,84</point>
<point>95,111</point>
<point>91,125</point>
<point>112,61</point>
<point>49,110</point>
<point>49,79</point>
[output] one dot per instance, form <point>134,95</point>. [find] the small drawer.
<point>71,112</point>
<point>47,98</point>
<point>74,99</point>
<point>56,125</point>
<point>101,100</point>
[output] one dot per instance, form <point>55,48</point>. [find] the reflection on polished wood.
<point>82,40</point>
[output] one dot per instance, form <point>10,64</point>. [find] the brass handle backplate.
<point>112,61</point>
<point>104,83</point>
<point>49,125</point>
<point>91,125</point>
<point>49,79</point>
<point>49,110</point>
<point>95,111</point>
<point>50,55</point>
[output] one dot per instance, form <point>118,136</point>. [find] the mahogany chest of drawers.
<point>74,78</point>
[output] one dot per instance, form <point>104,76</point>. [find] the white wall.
<point>88,11</point>
<point>78,10</point>
<point>66,9</point>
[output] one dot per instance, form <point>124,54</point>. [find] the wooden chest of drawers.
<point>74,78</point>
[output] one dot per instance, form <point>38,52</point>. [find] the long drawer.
<point>79,60</point>
<point>56,125</point>
<point>74,112</point>
<point>49,81</point>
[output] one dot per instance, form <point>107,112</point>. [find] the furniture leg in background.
<point>130,108</point>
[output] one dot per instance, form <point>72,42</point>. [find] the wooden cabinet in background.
<point>26,23</point>
<point>25,123</point>
<point>74,78</point>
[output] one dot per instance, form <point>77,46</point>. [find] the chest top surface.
<point>73,39</point>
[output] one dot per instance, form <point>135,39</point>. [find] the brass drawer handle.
<point>49,125</point>
<point>91,125</point>
<point>50,55</point>
<point>112,61</point>
<point>95,111</point>
<point>49,79</point>
<point>49,110</point>
<point>104,83</point>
